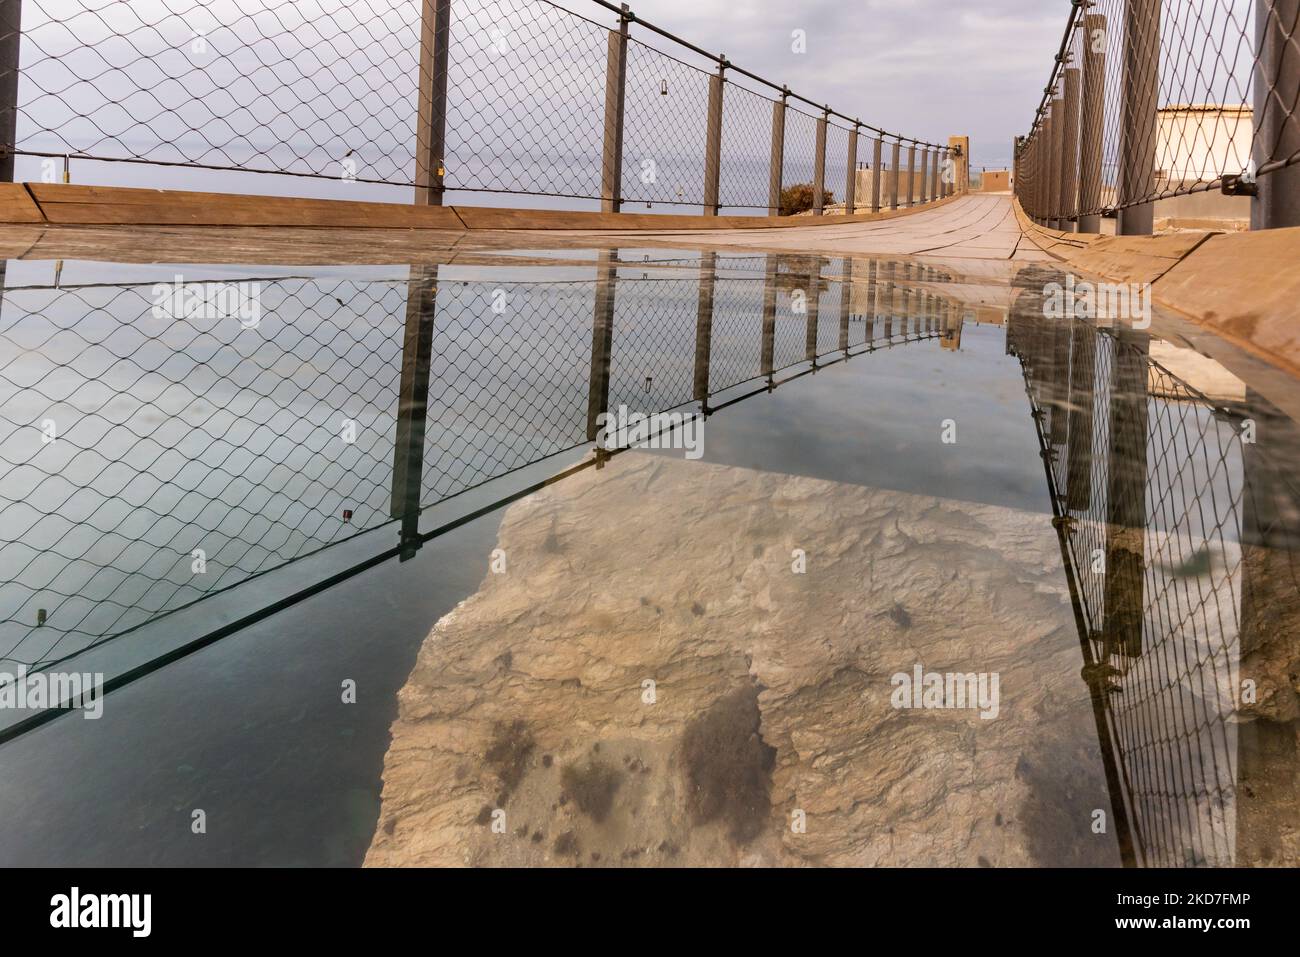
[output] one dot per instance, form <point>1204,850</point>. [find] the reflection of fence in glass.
<point>1153,489</point>
<point>191,454</point>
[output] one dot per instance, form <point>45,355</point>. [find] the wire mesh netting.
<point>1153,485</point>
<point>348,92</point>
<point>166,442</point>
<point>1154,99</point>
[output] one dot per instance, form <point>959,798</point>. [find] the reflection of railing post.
<point>851,183</point>
<point>602,342</point>
<point>1070,153</point>
<point>1078,452</point>
<point>769,318</point>
<point>846,303</point>
<point>11,32</point>
<point>877,175</point>
<point>813,304</point>
<point>413,405</point>
<point>704,328</point>
<point>873,306</point>
<point>1092,118</point>
<point>611,167</point>
<point>819,166</point>
<point>776,164</point>
<point>1137,135</point>
<point>431,121</point>
<point>1277,134</point>
<point>893,175</point>
<point>1126,484</point>
<point>911,174</point>
<point>713,140</point>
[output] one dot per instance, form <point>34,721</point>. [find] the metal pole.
<point>1137,137</point>
<point>1057,126</point>
<point>851,184</point>
<point>1092,120</point>
<point>819,166</point>
<point>413,406</point>
<point>923,186</point>
<point>877,175</point>
<point>1070,152</point>
<point>1277,135</point>
<point>704,329</point>
<point>911,173</point>
<point>611,168</point>
<point>431,121</point>
<point>893,177</point>
<point>776,164</point>
<point>713,141</point>
<point>936,184</point>
<point>11,32</point>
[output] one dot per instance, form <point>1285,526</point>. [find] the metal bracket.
<point>1239,185</point>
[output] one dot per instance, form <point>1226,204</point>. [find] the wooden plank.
<point>17,206</point>
<point>73,203</point>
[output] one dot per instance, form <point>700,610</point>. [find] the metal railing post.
<point>1137,136</point>
<point>704,328</point>
<point>877,175</point>
<point>911,174</point>
<point>776,165</point>
<point>11,33</point>
<point>923,187</point>
<point>611,167</point>
<point>713,140</point>
<point>1057,126</point>
<point>1092,118</point>
<point>819,166</point>
<point>851,182</point>
<point>1277,133</point>
<point>893,176</point>
<point>413,406</point>
<point>1070,152</point>
<point>936,185</point>
<point>431,120</point>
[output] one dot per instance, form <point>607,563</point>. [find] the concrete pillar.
<point>1092,120</point>
<point>1138,119</point>
<point>1277,92</point>
<point>1070,152</point>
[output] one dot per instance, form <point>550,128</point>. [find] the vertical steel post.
<point>877,175</point>
<point>1137,135</point>
<point>713,140</point>
<point>893,176</point>
<point>431,119</point>
<point>1057,127</point>
<point>611,167</point>
<point>851,183</point>
<point>819,166</point>
<point>11,32</point>
<point>704,328</point>
<point>936,182</point>
<point>923,185</point>
<point>1070,152</point>
<point>1093,116</point>
<point>413,406</point>
<point>776,164</point>
<point>911,174</point>
<point>1277,134</point>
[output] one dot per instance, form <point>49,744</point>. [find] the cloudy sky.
<point>925,68</point>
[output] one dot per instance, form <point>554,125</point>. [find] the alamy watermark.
<point>657,430</point>
<point>938,690</point>
<point>1075,299</point>
<point>53,689</point>
<point>209,300</point>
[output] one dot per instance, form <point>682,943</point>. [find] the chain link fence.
<point>1149,100</point>
<point>1154,488</point>
<point>479,98</point>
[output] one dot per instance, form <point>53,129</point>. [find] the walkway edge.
<point>1244,287</point>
